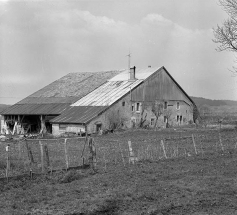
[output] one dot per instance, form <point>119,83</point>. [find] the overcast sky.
<point>41,41</point>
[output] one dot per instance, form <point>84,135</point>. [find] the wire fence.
<point>40,156</point>
<point>45,155</point>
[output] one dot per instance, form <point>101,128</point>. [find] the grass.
<point>197,184</point>
<point>193,185</point>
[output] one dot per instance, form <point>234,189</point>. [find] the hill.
<point>209,102</point>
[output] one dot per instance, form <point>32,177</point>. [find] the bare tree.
<point>167,114</point>
<point>205,115</point>
<point>157,108</point>
<point>116,120</point>
<point>226,35</point>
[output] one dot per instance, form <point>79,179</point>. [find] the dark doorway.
<point>98,127</point>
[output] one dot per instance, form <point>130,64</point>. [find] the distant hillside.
<point>202,101</point>
<point>3,107</point>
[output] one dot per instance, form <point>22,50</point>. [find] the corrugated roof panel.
<point>78,114</point>
<point>108,93</point>
<point>140,74</point>
<point>35,109</point>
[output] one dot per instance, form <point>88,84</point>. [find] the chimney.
<point>132,74</point>
<point>149,66</point>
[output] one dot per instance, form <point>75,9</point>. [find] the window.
<point>165,105</point>
<point>165,119</point>
<point>152,121</point>
<point>123,103</point>
<point>132,108</point>
<point>98,127</point>
<point>62,126</point>
<point>178,106</point>
<point>138,107</point>
<point>177,118</point>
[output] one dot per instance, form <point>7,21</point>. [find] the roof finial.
<point>129,61</point>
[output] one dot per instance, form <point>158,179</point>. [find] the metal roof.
<point>49,100</point>
<point>35,109</point>
<point>107,94</point>
<point>140,74</point>
<point>115,88</point>
<point>79,115</point>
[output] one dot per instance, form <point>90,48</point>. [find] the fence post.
<point>163,147</point>
<point>42,156</point>
<point>132,158</point>
<point>82,154</point>
<point>19,150</point>
<point>29,152</point>
<point>222,147</point>
<point>92,149</point>
<point>46,154</point>
<point>8,160</point>
<point>66,154</point>
<point>121,154</point>
<point>194,144</point>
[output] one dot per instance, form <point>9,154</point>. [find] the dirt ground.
<point>198,184</point>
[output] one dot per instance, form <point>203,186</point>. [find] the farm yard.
<point>177,171</point>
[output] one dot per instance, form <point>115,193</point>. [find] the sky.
<point>41,41</point>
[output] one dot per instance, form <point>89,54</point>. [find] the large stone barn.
<point>92,102</point>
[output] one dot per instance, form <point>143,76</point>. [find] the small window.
<point>98,127</point>
<point>165,118</point>
<point>62,126</point>
<point>178,106</point>
<point>132,108</point>
<point>165,105</point>
<point>180,118</point>
<point>152,121</point>
<point>177,118</point>
<point>138,107</point>
<point>123,104</point>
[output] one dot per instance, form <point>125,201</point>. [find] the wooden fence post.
<point>121,154</point>
<point>42,156</point>
<point>82,154</point>
<point>29,152</point>
<point>19,150</point>
<point>194,144</point>
<point>8,160</point>
<point>92,157</point>
<point>105,161</point>
<point>163,147</point>
<point>132,158</point>
<point>222,147</point>
<point>46,155</point>
<point>66,154</point>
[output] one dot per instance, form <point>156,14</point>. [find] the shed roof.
<point>72,85</point>
<point>36,109</point>
<point>55,97</point>
<point>78,114</point>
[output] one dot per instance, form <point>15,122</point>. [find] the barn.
<point>92,102</point>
